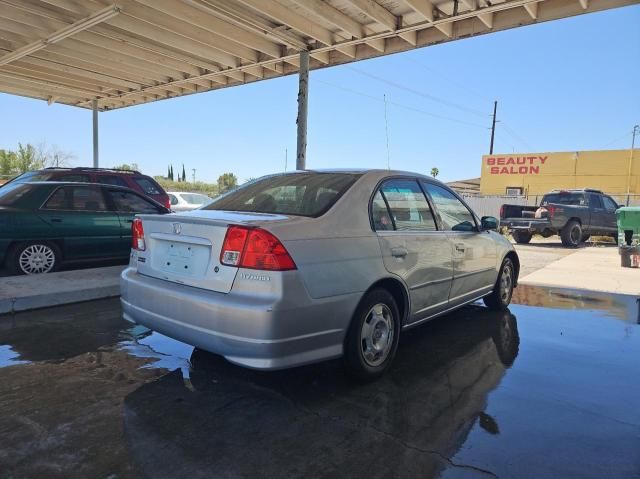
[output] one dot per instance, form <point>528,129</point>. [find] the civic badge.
<point>177,228</point>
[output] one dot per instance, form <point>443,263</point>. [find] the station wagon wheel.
<point>500,297</point>
<point>373,335</point>
<point>571,234</point>
<point>34,258</point>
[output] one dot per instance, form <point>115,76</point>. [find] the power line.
<point>515,136</point>
<point>623,137</point>
<point>419,93</point>
<point>400,105</point>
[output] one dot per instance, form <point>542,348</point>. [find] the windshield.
<point>565,198</point>
<point>195,198</point>
<point>29,176</point>
<point>301,194</point>
<point>12,193</point>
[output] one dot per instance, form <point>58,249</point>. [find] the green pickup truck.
<point>575,215</point>
<point>46,224</point>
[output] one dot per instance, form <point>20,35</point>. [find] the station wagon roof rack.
<point>86,168</point>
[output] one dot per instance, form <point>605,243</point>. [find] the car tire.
<point>522,237</point>
<point>372,339</point>
<point>571,234</point>
<point>500,297</point>
<point>585,238</point>
<point>33,257</point>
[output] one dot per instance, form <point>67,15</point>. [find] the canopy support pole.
<point>303,95</point>
<point>94,105</point>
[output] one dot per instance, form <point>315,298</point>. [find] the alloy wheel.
<point>37,259</point>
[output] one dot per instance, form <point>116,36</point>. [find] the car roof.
<point>76,183</point>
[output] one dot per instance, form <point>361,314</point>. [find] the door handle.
<point>399,252</point>
<point>460,247</point>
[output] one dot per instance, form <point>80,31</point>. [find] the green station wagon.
<point>46,224</point>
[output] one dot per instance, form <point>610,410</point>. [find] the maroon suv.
<point>131,179</point>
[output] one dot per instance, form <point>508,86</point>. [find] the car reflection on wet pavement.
<point>548,389</point>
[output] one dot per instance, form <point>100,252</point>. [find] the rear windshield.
<point>574,199</point>
<point>32,176</point>
<point>194,198</point>
<point>301,194</point>
<point>11,194</point>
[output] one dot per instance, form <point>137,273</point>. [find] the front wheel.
<point>373,336</point>
<point>35,257</point>
<point>500,297</point>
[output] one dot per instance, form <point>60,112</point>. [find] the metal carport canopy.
<point>104,55</point>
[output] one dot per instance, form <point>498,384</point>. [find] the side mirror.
<point>489,223</point>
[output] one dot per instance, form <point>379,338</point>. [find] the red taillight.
<point>502,211</point>
<point>167,203</point>
<point>137,235</point>
<point>254,248</point>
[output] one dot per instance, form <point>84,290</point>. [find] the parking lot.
<point>547,389</point>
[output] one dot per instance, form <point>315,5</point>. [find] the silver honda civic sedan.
<point>301,267</point>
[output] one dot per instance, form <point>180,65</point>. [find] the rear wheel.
<point>571,234</point>
<point>36,257</point>
<point>522,237</point>
<point>500,297</point>
<point>585,238</point>
<point>373,336</point>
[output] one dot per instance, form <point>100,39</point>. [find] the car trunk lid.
<point>185,248</point>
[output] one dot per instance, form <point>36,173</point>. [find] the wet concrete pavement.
<point>549,389</point>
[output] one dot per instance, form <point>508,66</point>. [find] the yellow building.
<point>612,171</point>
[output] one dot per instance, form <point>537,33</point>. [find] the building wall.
<point>538,173</point>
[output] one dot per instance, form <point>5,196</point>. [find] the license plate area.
<point>183,259</point>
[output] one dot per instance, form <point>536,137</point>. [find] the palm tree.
<point>434,171</point>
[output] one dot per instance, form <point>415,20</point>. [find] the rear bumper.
<point>533,226</point>
<point>252,331</point>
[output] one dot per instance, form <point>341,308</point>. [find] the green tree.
<point>27,158</point>
<point>226,182</point>
<point>171,175</point>
<point>184,174</point>
<point>434,171</point>
<point>7,163</point>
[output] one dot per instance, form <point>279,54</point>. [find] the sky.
<point>567,85</point>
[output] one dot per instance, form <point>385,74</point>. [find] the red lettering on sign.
<point>501,161</point>
<point>511,161</point>
<point>542,159</point>
<point>491,161</point>
<point>534,170</point>
<point>495,170</point>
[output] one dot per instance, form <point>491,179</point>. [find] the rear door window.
<point>75,178</point>
<point>595,201</point>
<point>408,205</point>
<point>454,214</point>
<point>76,198</point>
<point>148,186</point>
<point>129,202</point>
<point>111,180</point>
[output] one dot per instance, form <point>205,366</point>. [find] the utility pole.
<point>194,174</point>
<point>94,107</point>
<point>303,95</point>
<point>493,126</point>
<point>636,130</point>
